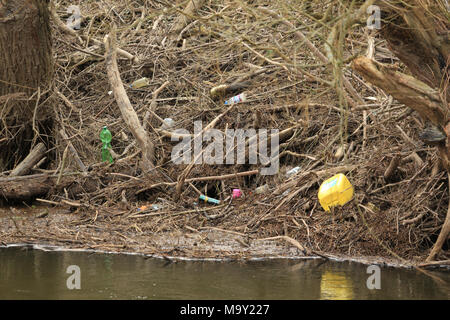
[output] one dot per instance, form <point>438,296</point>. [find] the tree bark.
<point>26,64</point>
<point>25,46</point>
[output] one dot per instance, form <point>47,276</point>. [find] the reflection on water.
<point>35,274</point>
<point>335,286</point>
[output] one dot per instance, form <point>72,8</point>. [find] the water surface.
<point>35,274</point>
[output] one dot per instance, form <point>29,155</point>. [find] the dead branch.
<point>390,170</point>
<point>65,29</point>
<point>73,151</point>
<point>129,115</point>
<point>406,89</point>
<point>294,242</point>
<point>28,187</point>
<point>152,107</point>
<point>36,154</point>
<point>443,235</point>
<point>186,15</point>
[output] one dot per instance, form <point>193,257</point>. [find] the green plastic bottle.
<point>106,137</point>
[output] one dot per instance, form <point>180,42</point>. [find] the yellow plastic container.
<point>335,191</point>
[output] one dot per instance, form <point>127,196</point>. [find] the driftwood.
<point>28,187</point>
<point>73,33</point>
<point>128,113</point>
<point>318,54</point>
<point>35,155</point>
<point>186,15</point>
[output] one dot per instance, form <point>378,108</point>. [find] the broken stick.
<point>36,154</point>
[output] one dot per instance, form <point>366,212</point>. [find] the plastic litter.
<point>335,191</point>
<point>106,137</point>
<point>153,207</point>
<point>236,99</point>
<point>262,189</point>
<point>292,172</point>
<point>236,193</point>
<point>208,199</point>
<point>143,82</point>
<point>168,123</point>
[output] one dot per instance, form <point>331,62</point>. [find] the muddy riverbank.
<point>59,229</point>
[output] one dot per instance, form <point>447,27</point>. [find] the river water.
<point>26,273</point>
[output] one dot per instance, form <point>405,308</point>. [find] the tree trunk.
<point>26,65</point>
<point>418,34</point>
<point>419,37</point>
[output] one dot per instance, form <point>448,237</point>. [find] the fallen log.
<point>25,187</point>
<point>35,155</point>
<point>31,186</point>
